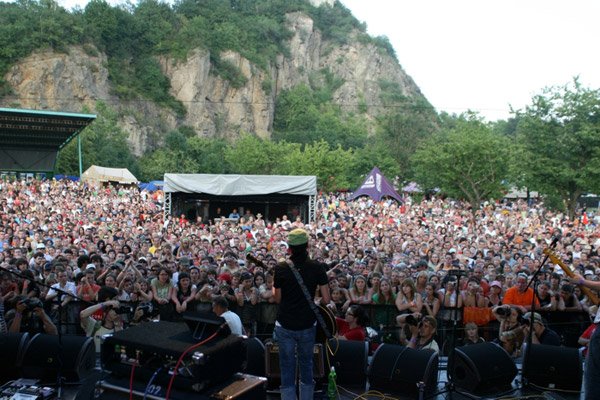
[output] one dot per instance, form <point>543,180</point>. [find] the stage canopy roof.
<point>240,185</point>
<point>30,140</point>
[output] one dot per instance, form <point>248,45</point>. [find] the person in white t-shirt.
<point>220,306</point>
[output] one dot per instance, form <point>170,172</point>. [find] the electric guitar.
<point>556,260</point>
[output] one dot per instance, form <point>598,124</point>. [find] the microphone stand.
<point>59,357</point>
<point>534,281</point>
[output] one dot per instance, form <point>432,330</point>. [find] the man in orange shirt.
<point>520,295</point>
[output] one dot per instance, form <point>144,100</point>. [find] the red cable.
<point>181,359</point>
<point>131,381</point>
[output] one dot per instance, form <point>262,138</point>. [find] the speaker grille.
<point>41,357</point>
<point>483,368</point>
<point>398,369</point>
<point>553,367</point>
<point>350,358</point>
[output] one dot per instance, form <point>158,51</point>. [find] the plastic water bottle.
<point>331,385</point>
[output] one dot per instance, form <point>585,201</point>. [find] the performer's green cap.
<point>297,237</point>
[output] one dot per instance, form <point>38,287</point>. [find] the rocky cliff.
<point>75,80</point>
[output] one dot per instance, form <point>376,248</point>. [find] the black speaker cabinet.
<point>12,347</point>
<point>255,357</point>
<point>350,359</point>
<point>398,370</point>
<point>553,367</point>
<point>483,368</point>
<point>272,361</point>
<point>41,357</point>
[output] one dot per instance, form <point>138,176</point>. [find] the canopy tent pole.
<point>79,155</point>
<point>167,205</point>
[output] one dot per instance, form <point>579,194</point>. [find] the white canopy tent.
<point>99,174</point>
<point>241,186</point>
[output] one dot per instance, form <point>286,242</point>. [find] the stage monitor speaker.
<point>398,370</point>
<point>41,357</point>
<point>255,357</point>
<point>553,367</point>
<point>12,347</point>
<point>350,359</point>
<point>483,368</point>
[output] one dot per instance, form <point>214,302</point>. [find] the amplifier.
<point>272,361</point>
<point>153,349</point>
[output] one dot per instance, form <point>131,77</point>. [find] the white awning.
<point>240,185</point>
<point>104,174</point>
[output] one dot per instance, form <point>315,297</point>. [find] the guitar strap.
<point>311,303</point>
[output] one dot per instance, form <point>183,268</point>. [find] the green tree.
<point>103,143</point>
<point>253,155</point>
<point>559,135</point>
<point>153,166</point>
<point>408,122</point>
<point>304,116</point>
<point>208,154</point>
<point>467,162</point>
<point>330,165</point>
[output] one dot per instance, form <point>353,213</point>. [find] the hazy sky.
<point>484,55</point>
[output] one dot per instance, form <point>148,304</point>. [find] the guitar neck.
<point>556,260</point>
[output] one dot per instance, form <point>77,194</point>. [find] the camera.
<point>147,309</point>
<point>503,311</point>
<point>412,320</point>
<point>33,303</point>
<point>122,309</point>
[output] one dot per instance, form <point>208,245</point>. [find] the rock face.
<point>74,81</point>
<point>57,81</point>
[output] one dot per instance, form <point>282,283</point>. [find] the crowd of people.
<point>91,260</point>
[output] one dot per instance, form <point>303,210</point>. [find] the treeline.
<point>552,147</point>
<point>335,166</point>
<point>311,136</point>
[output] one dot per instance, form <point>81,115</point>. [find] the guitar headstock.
<point>552,256</point>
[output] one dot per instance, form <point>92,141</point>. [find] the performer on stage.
<point>296,322</point>
<point>592,362</point>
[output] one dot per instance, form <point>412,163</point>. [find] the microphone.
<point>555,240</point>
